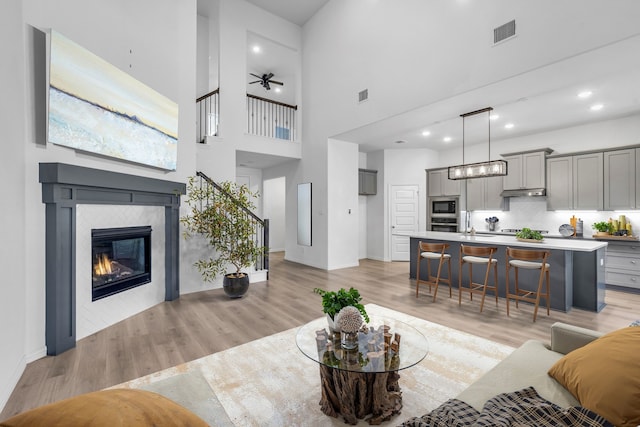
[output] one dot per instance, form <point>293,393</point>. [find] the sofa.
<point>583,378</point>
<point>528,366</point>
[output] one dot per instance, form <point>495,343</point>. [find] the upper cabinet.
<point>367,182</point>
<point>620,179</point>
<point>439,184</point>
<point>484,193</point>
<point>575,182</point>
<point>525,170</point>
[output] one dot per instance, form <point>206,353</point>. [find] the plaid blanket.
<point>519,408</point>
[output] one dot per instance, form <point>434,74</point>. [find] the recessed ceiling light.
<point>494,117</point>
<point>278,90</point>
<point>596,107</point>
<point>256,49</point>
<point>426,133</point>
<point>585,94</point>
<point>509,126</point>
<point>447,139</point>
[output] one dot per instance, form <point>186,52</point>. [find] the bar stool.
<point>482,255</point>
<point>430,252</point>
<point>530,260</point>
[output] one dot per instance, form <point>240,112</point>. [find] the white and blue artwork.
<point>96,107</point>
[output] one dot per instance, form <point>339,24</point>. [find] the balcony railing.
<point>208,107</point>
<point>271,118</point>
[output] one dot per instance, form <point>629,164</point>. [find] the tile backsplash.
<point>532,212</point>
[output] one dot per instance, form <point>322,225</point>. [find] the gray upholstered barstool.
<point>529,260</point>
<point>482,255</point>
<point>433,252</point>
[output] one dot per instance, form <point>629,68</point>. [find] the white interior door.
<point>404,217</point>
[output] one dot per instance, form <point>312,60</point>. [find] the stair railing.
<point>260,234</point>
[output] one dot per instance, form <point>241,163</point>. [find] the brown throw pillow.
<point>604,376</point>
<point>109,408</point>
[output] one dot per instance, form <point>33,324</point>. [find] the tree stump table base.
<point>356,395</point>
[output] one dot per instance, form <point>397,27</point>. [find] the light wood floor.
<point>206,322</point>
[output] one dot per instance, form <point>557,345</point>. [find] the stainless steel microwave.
<point>444,206</point>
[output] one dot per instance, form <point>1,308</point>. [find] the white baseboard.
<point>38,354</point>
<point>258,276</point>
<point>7,388</point>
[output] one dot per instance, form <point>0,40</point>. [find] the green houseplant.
<point>603,227</point>
<point>334,301</point>
<point>219,217</point>
<point>529,234</point>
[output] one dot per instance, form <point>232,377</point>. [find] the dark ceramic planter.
<point>235,287</point>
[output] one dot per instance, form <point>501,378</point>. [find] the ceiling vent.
<point>363,95</point>
<point>504,32</point>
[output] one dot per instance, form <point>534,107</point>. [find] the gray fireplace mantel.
<point>64,187</point>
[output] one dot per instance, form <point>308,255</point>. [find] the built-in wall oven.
<point>443,214</point>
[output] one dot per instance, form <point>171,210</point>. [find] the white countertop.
<point>581,245</point>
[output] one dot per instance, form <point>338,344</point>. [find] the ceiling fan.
<point>265,80</point>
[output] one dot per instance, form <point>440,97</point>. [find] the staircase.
<point>260,270</point>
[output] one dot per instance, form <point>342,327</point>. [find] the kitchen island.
<point>577,266</point>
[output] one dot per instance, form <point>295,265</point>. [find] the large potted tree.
<point>219,215</point>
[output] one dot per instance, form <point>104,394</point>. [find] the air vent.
<point>505,31</point>
<point>363,95</point>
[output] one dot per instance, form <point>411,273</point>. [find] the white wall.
<point>594,136</point>
<point>362,213</point>
<point>13,304</point>
<point>274,209</point>
<point>342,204</point>
<point>159,49</point>
<point>376,236</point>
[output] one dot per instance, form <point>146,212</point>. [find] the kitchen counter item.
<point>566,230</point>
<point>520,239</point>
<point>612,237</point>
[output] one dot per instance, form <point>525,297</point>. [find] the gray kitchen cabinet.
<point>560,183</point>
<point>439,184</point>
<point>525,170</point>
<point>588,183</point>
<point>484,193</point>
<point>623,264</point>
<point>620,179</point>
<point>575,182</point>
<point>367,182</point>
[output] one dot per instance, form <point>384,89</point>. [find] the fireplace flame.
<point>102,266</point>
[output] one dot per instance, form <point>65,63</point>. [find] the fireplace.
<point>121,259</point>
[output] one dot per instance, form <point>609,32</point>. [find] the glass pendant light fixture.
<point>481,169</point>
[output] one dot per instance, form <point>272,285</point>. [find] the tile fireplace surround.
<point>63,188</point>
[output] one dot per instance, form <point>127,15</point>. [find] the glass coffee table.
<point>363,382</point>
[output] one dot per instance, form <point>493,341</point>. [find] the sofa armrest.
<point>566,338</point>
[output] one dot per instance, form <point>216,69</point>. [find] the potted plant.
<point>602,227</point>
<point>529,234</point>
<point>218,215</point>
<point>334,301</point>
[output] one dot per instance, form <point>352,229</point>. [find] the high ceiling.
<point>540,100</point>
<point>296,11</point>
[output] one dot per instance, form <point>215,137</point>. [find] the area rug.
<point>269,382</point>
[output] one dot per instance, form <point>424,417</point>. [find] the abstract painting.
<point>96,107</point>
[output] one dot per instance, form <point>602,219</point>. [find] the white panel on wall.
<point>92,316</point>
<point>274,203</point>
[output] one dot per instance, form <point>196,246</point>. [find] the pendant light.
<point>482,169</point>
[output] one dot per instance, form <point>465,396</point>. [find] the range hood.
<point>524,192</point>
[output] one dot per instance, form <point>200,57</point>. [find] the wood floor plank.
<point>206,322</point>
